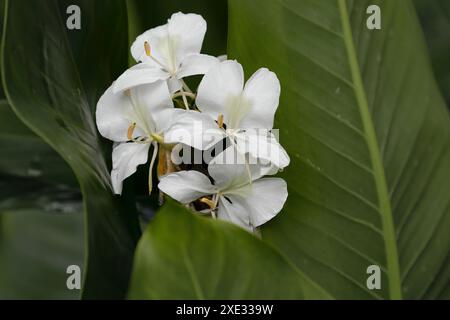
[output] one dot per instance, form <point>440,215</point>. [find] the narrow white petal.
<point>231,170</point>
<point>113,115</point>
<point>158,40</point>
<point>186,186</point>
<point>194,129</point>
<point>139,74</point>
<point>262,93</point>
<point>126,157</point>
<point>186,32</point>
<point>234,210</point>
<point>149,101</point>
<point>165,118</point>
<point>196,64</point>
<point>174,84</point>
<point>220,88</point>
<point>266,199</point>
<point>263,145</point>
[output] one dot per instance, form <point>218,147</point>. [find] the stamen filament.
<point>185,86</point>
<point>148,52</point>
<point>152,162</point>
<point>188,94</point>
<point>183,94</point>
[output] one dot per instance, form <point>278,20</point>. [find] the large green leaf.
<point>52,78</point>
<point>22,153</point>
<point>41,234</point>
<point>369,138</point>
<point>182,256</point>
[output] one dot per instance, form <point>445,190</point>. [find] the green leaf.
<point>369,138</point>
<point>41,234</point>
<point>182,256</point>
<point>24,154</point>
<point>52,78</point>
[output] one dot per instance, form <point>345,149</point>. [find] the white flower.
<point>168,52</point>
<point>243,113</point>
<point>236,199</point>
<point>134,120</point>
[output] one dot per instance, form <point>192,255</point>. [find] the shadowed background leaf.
<point>41,234</point>
<point>52,83</point>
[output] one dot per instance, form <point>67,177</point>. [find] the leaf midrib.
<point>390,241</point>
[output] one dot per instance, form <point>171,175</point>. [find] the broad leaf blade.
<point>45,89</point>
<point>24,154</point>
<point>369,138</point>
<point>41,234</point>
<point>182,256</point>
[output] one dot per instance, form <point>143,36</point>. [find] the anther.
<point>208,202</point>
<point>147,49</point>
<point>220,120</point>
<point>131,130</point>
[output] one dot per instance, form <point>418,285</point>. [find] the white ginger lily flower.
<point>168,52</point>
<point>235,198</point>
<point>134,120</point>
<point>243,113</point>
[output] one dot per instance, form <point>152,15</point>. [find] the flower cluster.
<point>228,119</point>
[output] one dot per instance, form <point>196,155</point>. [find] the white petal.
<point>165,118</point>
<point>139,74</point>
<point>263,145</point>
<point>231,169</point>
<point>266,199</point>
<point>126,157</point>
<point>113,115</point>
<point>158,40</point>
<point>174,84</point>
<point>186,32</point>
<point>262,93</point>
<point>219,89</point>
<point>222,57</point>
<point>196,64</point>
<point>234,210</point>
<point>194,129</point>
<point>186,186</point>
<point>149,102</point>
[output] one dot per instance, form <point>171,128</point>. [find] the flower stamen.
<point>147,48</point>
<point>220,121</point>
<point>131,131</point>
<point>157,138</point>
<point>148,53</point>
<point>210,203</point>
